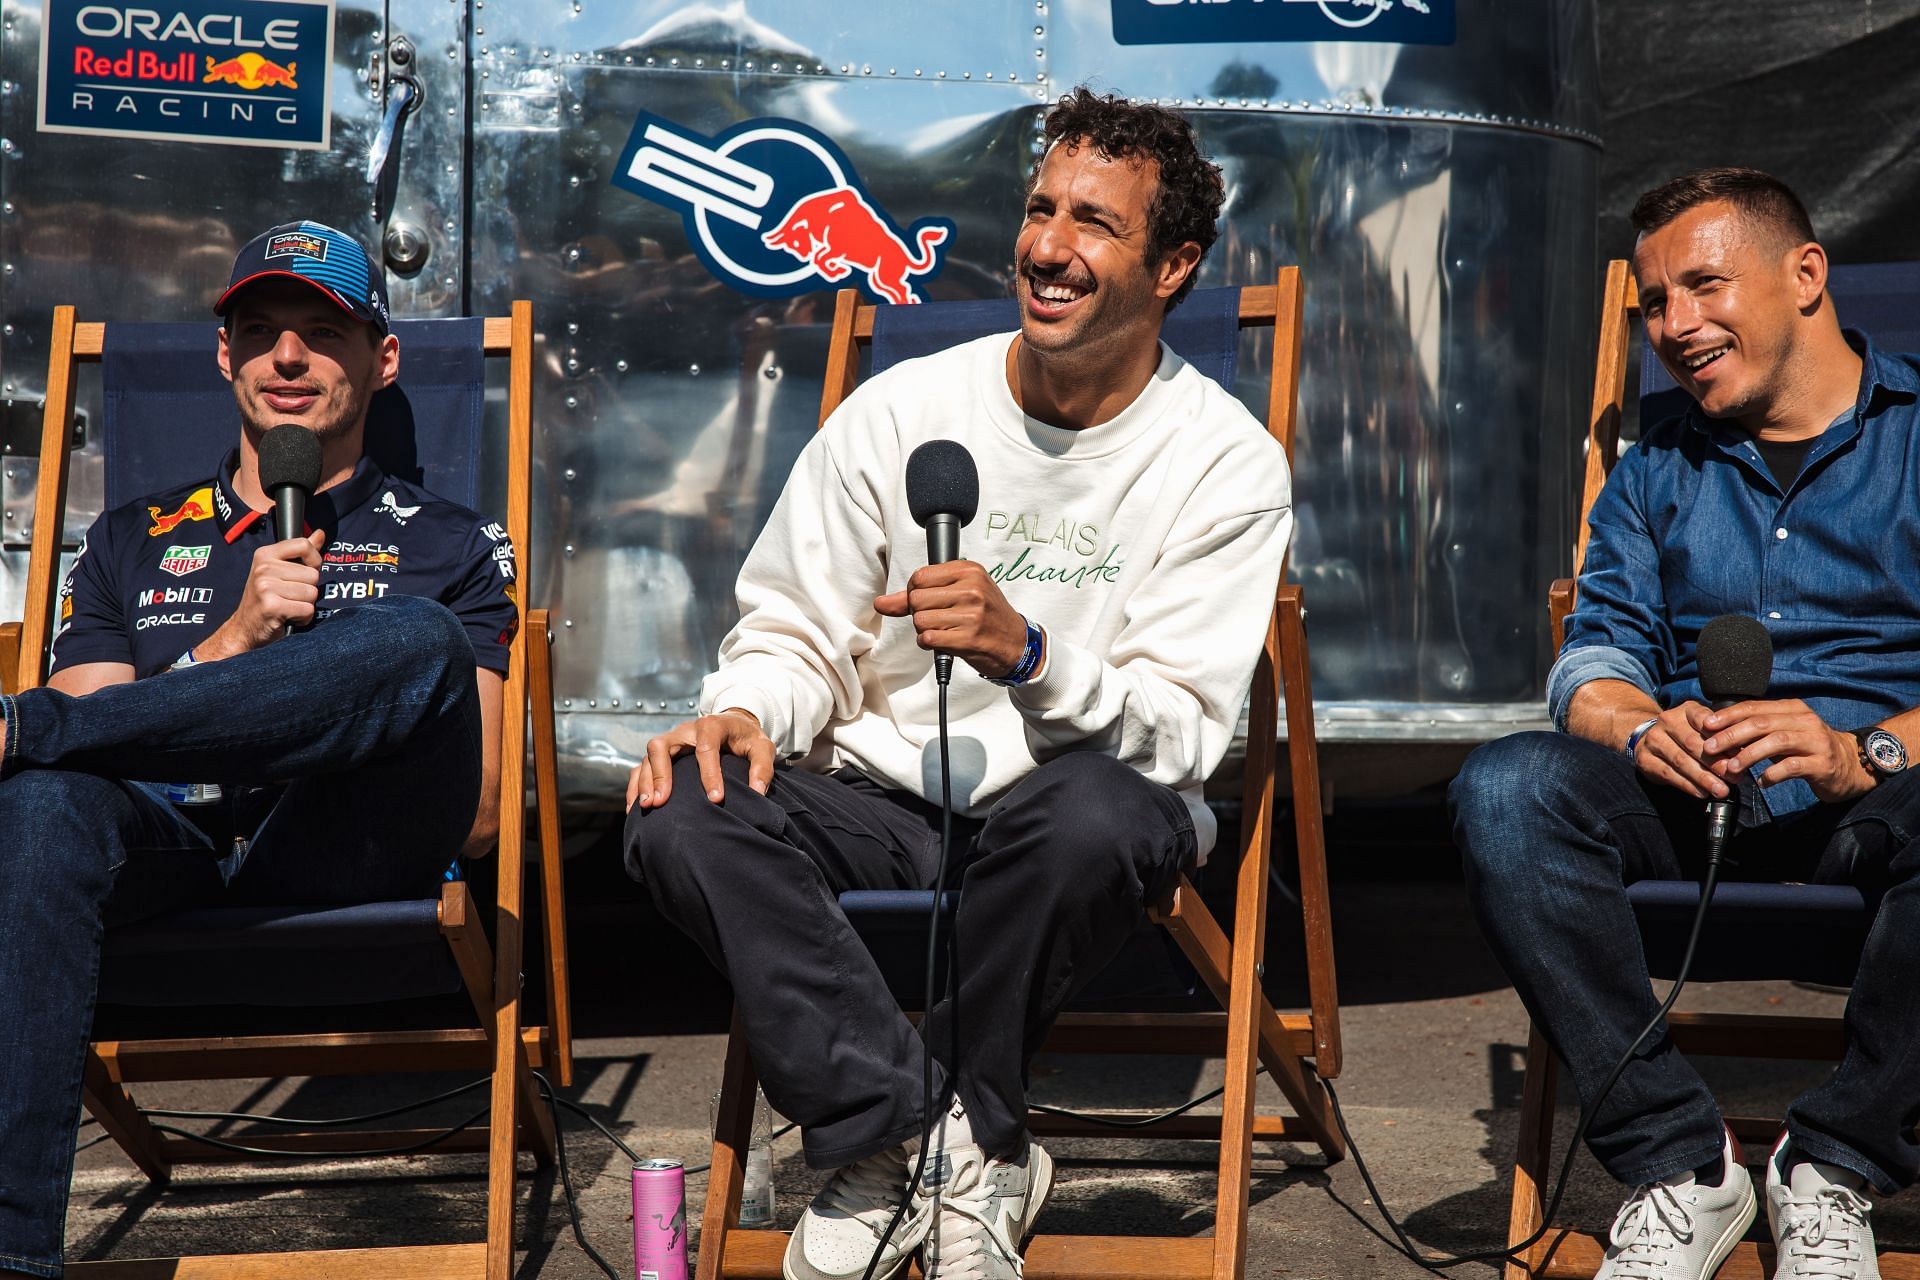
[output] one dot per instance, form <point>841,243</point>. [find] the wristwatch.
<point>1881,754</point>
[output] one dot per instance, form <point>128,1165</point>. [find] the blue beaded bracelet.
<point>1029,660</point>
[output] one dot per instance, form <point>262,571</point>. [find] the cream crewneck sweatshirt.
<point>1148,547</point>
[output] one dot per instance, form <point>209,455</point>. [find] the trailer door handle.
<point>383,158</point>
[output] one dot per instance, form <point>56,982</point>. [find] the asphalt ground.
<point>1435,1057</point>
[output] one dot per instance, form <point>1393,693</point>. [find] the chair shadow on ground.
<point>360,1202</point>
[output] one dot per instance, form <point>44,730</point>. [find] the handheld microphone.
<point>1735,656</point>
<point>289,472</point>
<point>943,492</point>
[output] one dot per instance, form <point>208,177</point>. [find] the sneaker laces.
<point>1652,1223</point>
<point>868,1190</point>
<point>1826,1231</point>
<point>977,1247</point>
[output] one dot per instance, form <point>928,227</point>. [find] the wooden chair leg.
<point>547,799</point>
<point>1207,949</point>
<point>1533,1162</point>
<point>733,1130</point>
<point>475,958</point>
<point>110,1103</point>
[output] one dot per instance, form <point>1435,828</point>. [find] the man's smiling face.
<point>1721,294</point>
<point>1081,258</point>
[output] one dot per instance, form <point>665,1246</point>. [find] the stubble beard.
<point>337,416</point>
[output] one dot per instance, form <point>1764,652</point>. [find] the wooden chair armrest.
<point>9,657</point>
<point>1559,607</point>
<point>1303,763</point>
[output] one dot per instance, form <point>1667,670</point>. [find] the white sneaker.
<point>983,1208</point>
<point>1819,1220</point>
<point>1680,1229</point>
<point>836,1235</point>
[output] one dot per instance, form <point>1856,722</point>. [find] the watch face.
<point>1887,752</point>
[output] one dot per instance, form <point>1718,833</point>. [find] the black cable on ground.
<point>242,1149</point>
<point>591,1119</point>
<point>566,1174</point>
<point>1136,1122</point>
<point>291,1122</point>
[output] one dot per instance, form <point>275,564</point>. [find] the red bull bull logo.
<point>250,71</point>
<point>839,232</point>
<point>198,506</point>
<point>775,208</point>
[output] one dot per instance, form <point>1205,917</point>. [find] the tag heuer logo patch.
<point>296,244</point>
<point>181,561</point>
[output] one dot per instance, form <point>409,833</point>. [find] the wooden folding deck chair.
<point>1830,921</point>
<point>392,950</point>
<point>1296,1049</point>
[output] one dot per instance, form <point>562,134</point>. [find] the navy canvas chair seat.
<point>1184,950</point>
<point>168,417</point>
<point>1828,924</point>
<point>364,954</point>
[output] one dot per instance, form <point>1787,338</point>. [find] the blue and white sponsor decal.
<point>240,72</point>
<point>1275,21</point>
<point>774,208</point>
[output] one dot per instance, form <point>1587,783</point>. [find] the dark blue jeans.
<point>368,727</point>
<point>1052,883</point>
<point>1553,828</point>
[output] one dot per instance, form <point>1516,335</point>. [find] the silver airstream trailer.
<point>634,168</point>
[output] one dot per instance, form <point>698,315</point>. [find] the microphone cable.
<point>933,952</point>
<point>1439,1265</point>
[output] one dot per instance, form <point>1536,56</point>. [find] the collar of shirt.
<point>324,509</point>
<point>1884,382</point>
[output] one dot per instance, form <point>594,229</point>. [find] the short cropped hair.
<point>1186,206</point>
<point>1759,197</point>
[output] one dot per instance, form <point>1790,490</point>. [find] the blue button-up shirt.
<point>1692,525</point>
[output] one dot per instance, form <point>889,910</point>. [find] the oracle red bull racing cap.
<point>331,261</point>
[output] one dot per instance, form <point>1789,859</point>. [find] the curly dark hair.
<point>1186,204</point>
<point>1763,199</point>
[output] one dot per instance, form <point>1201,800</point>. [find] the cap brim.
<point>225,300</point>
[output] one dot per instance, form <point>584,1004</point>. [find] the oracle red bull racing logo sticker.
<point>774,208</point>
<point>242,72</point>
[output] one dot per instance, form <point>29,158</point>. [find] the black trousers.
<point>1052,883</point>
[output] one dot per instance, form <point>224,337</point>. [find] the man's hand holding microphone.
<point>956,608</point>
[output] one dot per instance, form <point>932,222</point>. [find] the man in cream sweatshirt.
<point>1105,620</point>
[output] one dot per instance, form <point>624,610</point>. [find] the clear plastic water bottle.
<point>756,1189</point>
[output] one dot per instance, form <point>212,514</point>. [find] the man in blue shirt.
<point>353,759</point>
<point>1786,493</point>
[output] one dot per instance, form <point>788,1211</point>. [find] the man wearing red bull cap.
<point>1133,520</point>
<point>342,689</point>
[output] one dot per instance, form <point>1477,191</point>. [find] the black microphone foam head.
<point>1735,654</point>
<point>289,455</point>
<point>942,480</point>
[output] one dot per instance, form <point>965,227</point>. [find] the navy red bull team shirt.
<point>159,575</point>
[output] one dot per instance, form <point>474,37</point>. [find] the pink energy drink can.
<point>660,1220</point>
